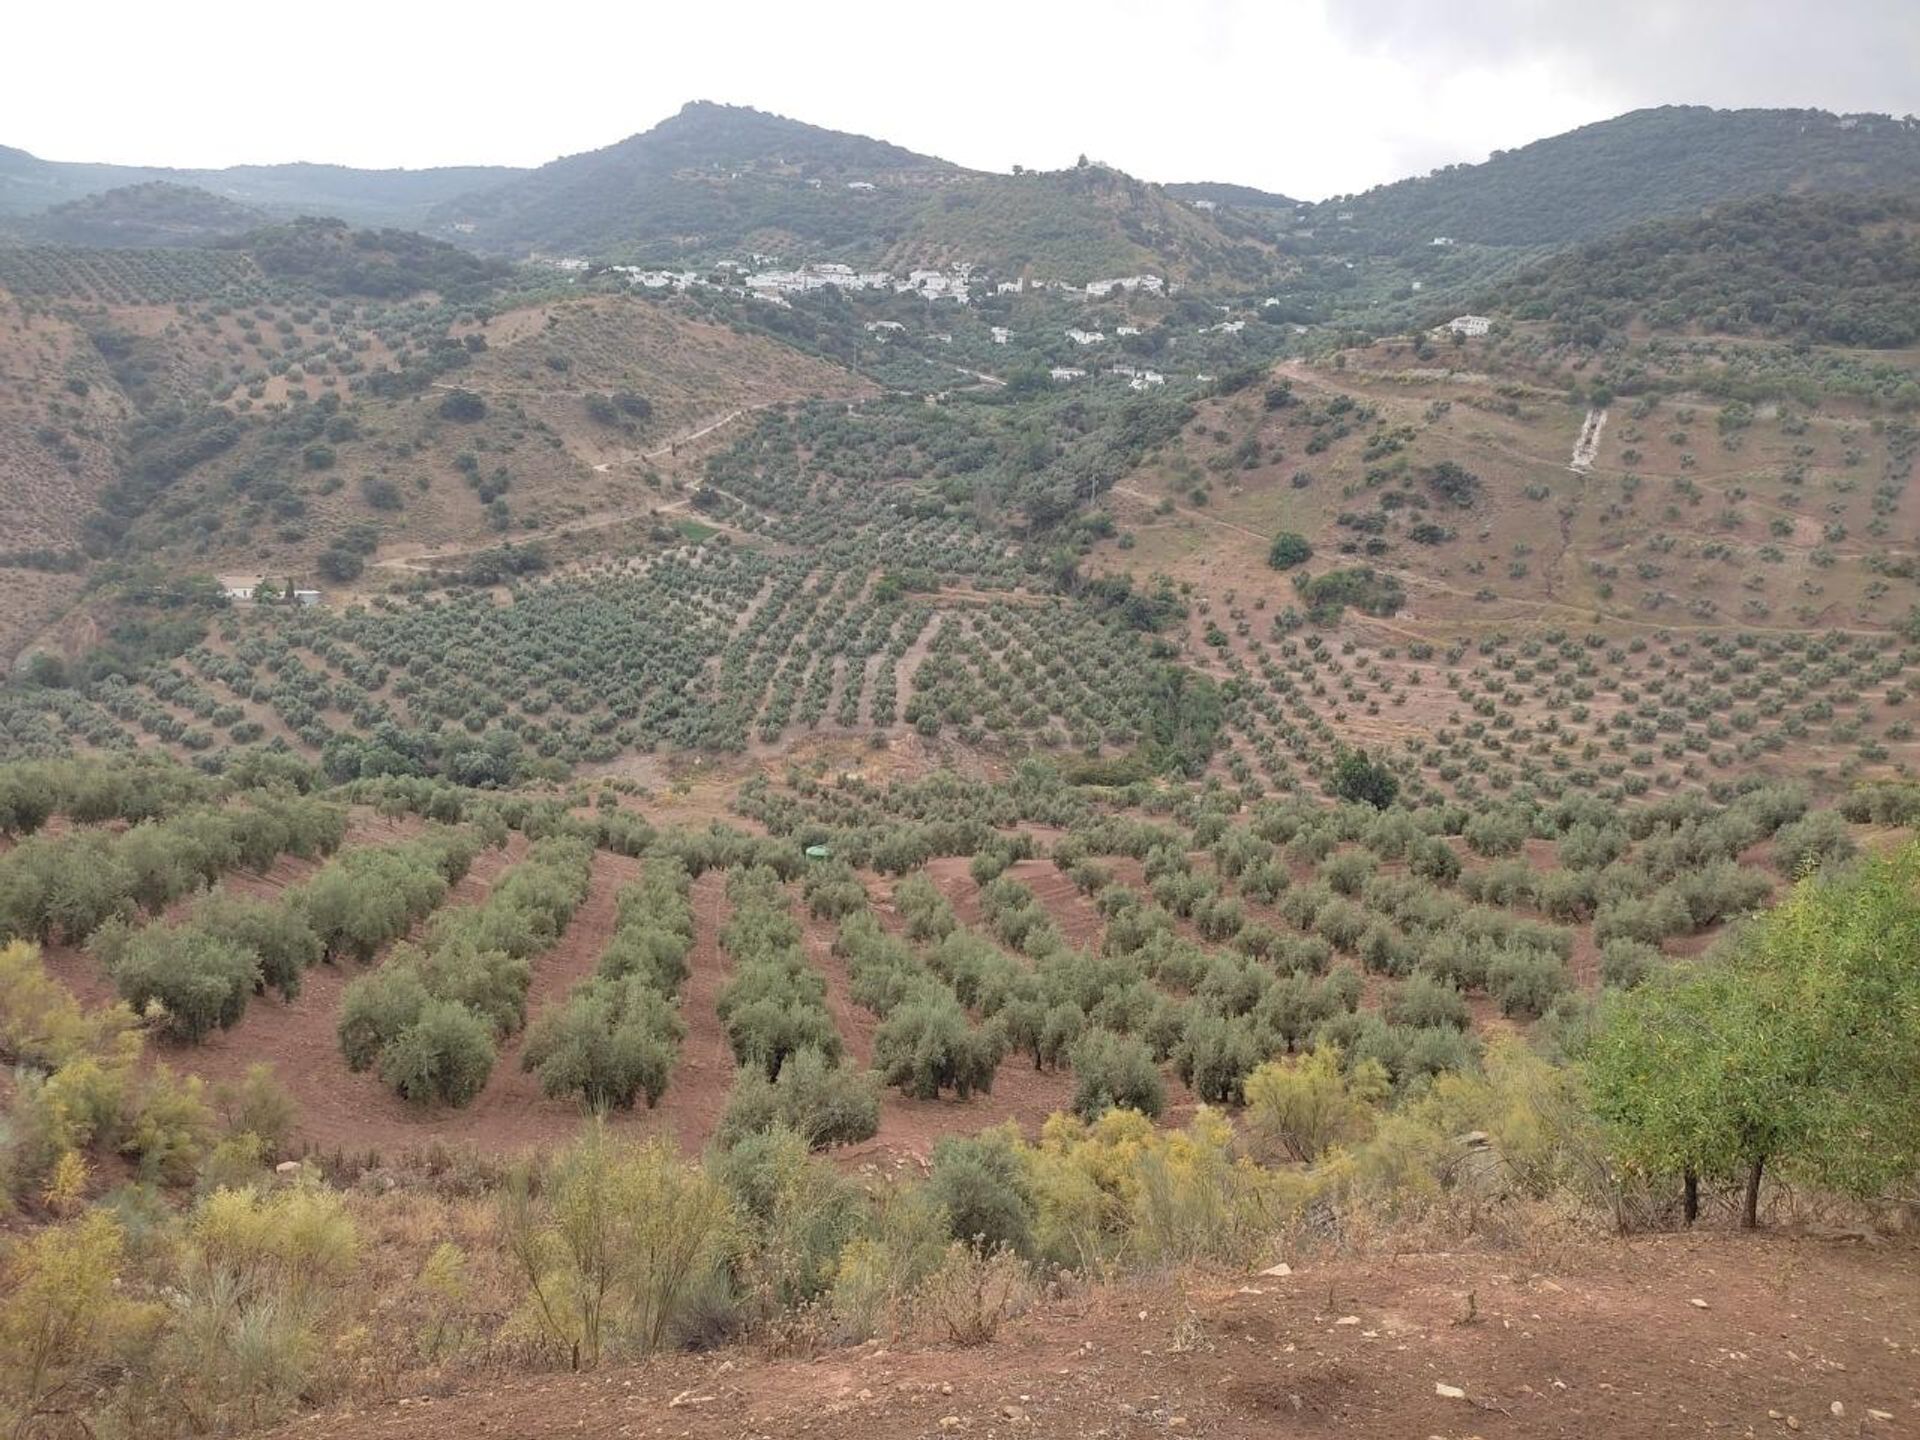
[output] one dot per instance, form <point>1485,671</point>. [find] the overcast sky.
<point>1307,97</point>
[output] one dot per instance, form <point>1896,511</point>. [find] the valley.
<point>755,782</point>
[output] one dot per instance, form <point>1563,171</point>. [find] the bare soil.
<point>1707,1334</point>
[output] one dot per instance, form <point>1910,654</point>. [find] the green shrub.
<point>278,936</point>
<point>1625,963</point>
<point>1115,1071</point>
<point>928,1045</point>
<point>1422,1000</point>
<point>610,1042</point>
<point>1215,1055</point>
<point>199,981</point>
<point>1813,841</point>
<point>444,1056</point>
<point>982,1186</point>
<point>1526,982</point>
<point>823,1103</point>
<point>1288,550</point>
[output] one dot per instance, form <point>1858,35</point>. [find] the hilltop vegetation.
<point>721,180</point>
<point>156,213</point>
<point>712,176</point>
<point>1830,269</point>
<point>1603,177</point>
<point>336,260</point>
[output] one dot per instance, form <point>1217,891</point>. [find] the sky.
<point>1309,98</point>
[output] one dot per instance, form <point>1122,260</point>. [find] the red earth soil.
<point>1708,1334</point>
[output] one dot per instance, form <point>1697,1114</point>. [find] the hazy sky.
<point>1308,97</point>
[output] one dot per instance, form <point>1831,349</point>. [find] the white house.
<point>1152,284</point>
<point>1067,372</point>
<point>1086,337</point>
<point>1443,240</point>
<point>1140,379</point>
<point>1206,205</point>
<point>306,597</point>
<point>1469,325</point>
<point>1001,334</point>
<point>1125,330</point>
<point>938,284</point>
<point>859,185</point>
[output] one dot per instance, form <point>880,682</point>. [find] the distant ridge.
<point>29,185</point>
<point>1647,163</point>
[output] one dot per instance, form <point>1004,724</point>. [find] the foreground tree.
<point>1797,1047</point>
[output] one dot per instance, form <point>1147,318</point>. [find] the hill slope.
<point>29,185</point>
<point>712,175</point>
<point>1836,269</point>
<point>720,179</point>
<point>1602,177</point>
<point>1220,192</point>
<point>156,213</point>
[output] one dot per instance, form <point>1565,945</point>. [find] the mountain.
<point>1648,163</point>
<point>721,179</point>
<point>1832,269</point>
<point>30,185</point>
<point>709,176</point>
<point>158,213</point>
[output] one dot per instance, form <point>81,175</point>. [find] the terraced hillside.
<point>560,813</point>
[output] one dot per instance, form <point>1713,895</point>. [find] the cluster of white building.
<point>774,283</point>
<point>1139,379</point>
<point>1152,284</point>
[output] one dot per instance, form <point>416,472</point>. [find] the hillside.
<point>710,177</point>
<point>1086,223</point>
<point>30,185</point>
<point>717,180</point>
<point>338,260</point>
<point>1603,177</point>
<point>158,213</point>
<point>1831,269</point>
<point>627,817</point>
<point>1245,197</point>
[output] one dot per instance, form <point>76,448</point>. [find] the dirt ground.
<point>1708,1334</point>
